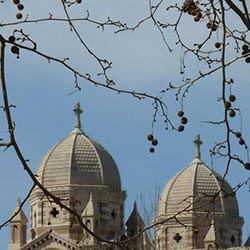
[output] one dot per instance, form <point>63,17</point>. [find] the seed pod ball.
<point>193,12</point>
<point>241,141</point>
<point>152,150</point>
<point>245,52</point>
<point>209,25</point>
<point>238,134</point>
<point>154,142</point>
<point>14,49</point>
<point>196,19</point>
<point>181,128</point>
<point>245,47</point>
<point>232,98</point>
<point>247,166</point>
<point>150,137</point>
<point>180,113</point>
<point>184,120</point>
<point>232,113</point>
<point>19,15</point>
<point>12,39</point>
<point>214,27</point>
<point>20,6</point>
<point>217,45</point>
<point>247,60</point>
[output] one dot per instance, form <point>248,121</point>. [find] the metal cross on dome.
<point>197,142</point>
<point>77,110</point>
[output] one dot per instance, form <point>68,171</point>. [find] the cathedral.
<point>196,210</point>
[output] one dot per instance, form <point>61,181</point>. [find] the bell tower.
<point>18,227</point>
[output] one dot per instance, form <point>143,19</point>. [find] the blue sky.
<point>43,113</point>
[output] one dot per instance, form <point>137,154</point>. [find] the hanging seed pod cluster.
<point>246,52</point>
<point>20,7</point>
<point>14,49</point>
<point>154,142</point>
<point>183,120</point>
<point>192,9</point>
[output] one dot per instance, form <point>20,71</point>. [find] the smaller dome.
<point>79,160</point>
<point>194,189</point>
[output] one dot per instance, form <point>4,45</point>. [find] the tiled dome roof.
<point>194,188</point>
<point>78,160</point>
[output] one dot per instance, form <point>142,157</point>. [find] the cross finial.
<point>197,142</point>
<point>18,202</point>
<point>78,111</point>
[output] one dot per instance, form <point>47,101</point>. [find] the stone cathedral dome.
<point>198,188</point>
<point>78,160</point>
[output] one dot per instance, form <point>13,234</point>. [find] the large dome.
<point>78,160</point>
<point>197,188</point>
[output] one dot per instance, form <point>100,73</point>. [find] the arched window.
<point>15,236</point>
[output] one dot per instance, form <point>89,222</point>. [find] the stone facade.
<point>197,209</point>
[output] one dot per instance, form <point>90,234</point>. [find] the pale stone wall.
<point>108,221</point>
